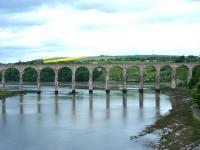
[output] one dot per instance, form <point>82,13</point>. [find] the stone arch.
<point>133,74</point>
<point>166,66</point>
<point>12,74</point>
<point>44,67</point>
<point>116,76</point>
<point>195,69</point>
<point>82,74</point>
<point>30,74</point>
<point>99,76</point>
<point>116,66</point>
<point>183,65</point>
<point>47,74</point>
<point>182,73</point>
<point>166,75</point>
<point>65,74</point>
<point>195,76</point>
<point>149,74</point>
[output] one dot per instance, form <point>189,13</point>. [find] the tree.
<point>195,77</point>
<point>180,59</point>
<point>196,94</point>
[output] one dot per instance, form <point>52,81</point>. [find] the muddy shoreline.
<point>5,93</point>
<point>178,129</point>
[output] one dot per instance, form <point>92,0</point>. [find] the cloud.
<point>16,6</point>
<point>48,28</point>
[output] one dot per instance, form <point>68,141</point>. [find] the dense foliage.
<point>82,74</point>
<point>195,77</point>
<point>133,74</point>
<point>195,84</point>
<point>12,75</point>
<point>64,75</point>
<point>99,74</point>
<point>196,94</point>
<point>30,75</point>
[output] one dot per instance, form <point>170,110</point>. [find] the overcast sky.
<point>32,29</point>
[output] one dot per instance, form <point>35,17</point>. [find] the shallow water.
<point>83,121</point>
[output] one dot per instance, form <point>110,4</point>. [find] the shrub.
<point>196,94</point>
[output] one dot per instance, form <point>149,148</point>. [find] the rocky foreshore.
<point>179,130</point>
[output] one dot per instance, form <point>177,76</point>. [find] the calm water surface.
<point>83,121</point>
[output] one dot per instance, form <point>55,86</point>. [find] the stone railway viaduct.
<point>107,67</point>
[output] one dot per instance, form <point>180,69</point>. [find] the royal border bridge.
<point>73,67</point>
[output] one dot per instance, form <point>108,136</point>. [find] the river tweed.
<point>80,121</point>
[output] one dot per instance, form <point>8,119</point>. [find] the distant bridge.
<point>73,67</point>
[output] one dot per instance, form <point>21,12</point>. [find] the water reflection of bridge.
<point>21,103</point>
<point>106,67</point>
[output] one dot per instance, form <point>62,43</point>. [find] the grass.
<point>5,93</point>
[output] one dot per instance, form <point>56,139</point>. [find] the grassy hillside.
<point>117,59</point>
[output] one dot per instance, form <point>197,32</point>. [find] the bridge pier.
<point>124,90</point>
<point>141,80</point>
<point>56,82</point>
<point>3,79</point>
<point>173,81</point>
<point>56,92</point>
<point>107,86</point>
<point>21,82</point>
<point>90,67</point>
<point>73,80</point>
<point>90,81</point>
<point>189,75</point>
<point>38,83</point>
<point>38,92</point>
<point>157,80</point>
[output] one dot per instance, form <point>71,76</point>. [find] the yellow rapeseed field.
<point>50,60</point>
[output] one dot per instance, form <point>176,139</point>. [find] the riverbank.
<point>5,93</point>
<point>196,111</point>
<point>179,129</point>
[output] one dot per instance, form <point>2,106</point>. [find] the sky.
<point>35,29</point>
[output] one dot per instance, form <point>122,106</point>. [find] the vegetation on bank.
<point>195,86</point>
<point>196,94</point>
<point>5,93</point>
<point>179,129</point>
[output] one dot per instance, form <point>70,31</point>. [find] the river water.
<point>83,121</point>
